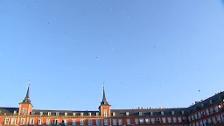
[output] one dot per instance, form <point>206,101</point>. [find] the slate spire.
<point>27,97</point>
<point>104,100</point>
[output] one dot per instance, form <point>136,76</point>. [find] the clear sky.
<point>148,53</point>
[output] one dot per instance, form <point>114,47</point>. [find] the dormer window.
<point>210,101</point>
<point>151,113</point>
<point>97,114</point>
<point>74,114</point>
<point>81,114</point>
<point>127,113</point>
<point>49,113</point>
<point>66,113</point>
<point>162,113</point>
<point>172,112</point>
<point>182,112</point>
<point>90,114</point>
<point>202,105</point>
<point>57,113</point>
<point>15,112</point>
<point>114,114</point>
<point>140,113</point>
<point>41,113</point>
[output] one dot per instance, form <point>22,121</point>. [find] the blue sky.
<point>148,53</point>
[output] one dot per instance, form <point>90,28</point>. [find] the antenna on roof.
<point>29,83</point>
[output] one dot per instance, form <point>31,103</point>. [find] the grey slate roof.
<point>216,99</point>
<point>8,110</point>
<point>62,112</point>
<point>151,112</point>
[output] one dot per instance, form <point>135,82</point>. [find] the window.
<point>119,122</point>
<point>213,120</point>
<point>31,121</point>
<point>172,112</point>
<point>211,110</point>
<point>6,121</point>
<point>81,114</point>
<point>13,121</point>
<point>151,113</point>
<point>128,122</point>
<point>207,111</point>
<point>127,113</point>
<point>115,122</point>
<point>179,119</point>
<point>141,121</point>
<point>216,108</point>
<point>24,111</point>
<point>73,122</point>
<point>163,119</point>
<point>199,114</point>
<point>210,101</point>
<point>66,113</point>
<point>209,120</point>
<point>153,120</point>
<point>202,105</point>
<point>39,122</point>
<point>105,122</point>
<point>218,118</point>
<point>162,113</point>
<point>98,122</point>
<point>57,113</point>
<point>41,113</point>
<point>147,121</point>
<point>22,121</point>
<point>196,116</point>
<point>81,122</point>
<point>74,113</point>
<point>158,120</point>
<point>169,120</point>
<point>189,118</point>
<point>90,122</point>
<point>55,122</point>
<point>105,113</point>
<point>136,121</point>
<point>49,113</point>
<point>182,112</point>
<point>174,119</point>
<point>140,113</point>
<point>65,122</point>
<point>97,114</point>
<point>48,122</point>
<point>114,114</point>
<point>15,112</point>
<point>90,113</point>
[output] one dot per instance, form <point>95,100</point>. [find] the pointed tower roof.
<point>27,97</point>
<point>104,100</point>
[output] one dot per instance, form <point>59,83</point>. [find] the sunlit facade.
<point>209,112</point>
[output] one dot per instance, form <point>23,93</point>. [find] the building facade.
<point>209,112</point>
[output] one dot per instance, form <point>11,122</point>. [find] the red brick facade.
<point>209,112</point>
